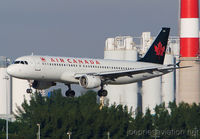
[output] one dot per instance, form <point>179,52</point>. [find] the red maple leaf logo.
<point>159,49</point>
<point>43,59</point>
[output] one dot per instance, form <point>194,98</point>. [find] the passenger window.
<point>22,62</point>
<point>26,62</point>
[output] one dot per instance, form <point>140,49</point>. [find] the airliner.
<point>42,72</point>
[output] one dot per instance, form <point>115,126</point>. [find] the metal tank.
<point>5,87</point>
<point>168,82</point>
<point>151,89</point>
<point>175,45</point>
<point>121,48</point>
<point>114,51</point>
<point>130,90</point>
<point>151,94</point>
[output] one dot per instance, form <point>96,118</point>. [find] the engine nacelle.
<point>89,82</point>
<point>42,84</point>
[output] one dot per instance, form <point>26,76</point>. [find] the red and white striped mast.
<point>189,28</point>
<point>189,78</point>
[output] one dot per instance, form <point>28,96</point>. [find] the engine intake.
<point>89,82</point>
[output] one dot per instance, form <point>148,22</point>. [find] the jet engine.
<point>89,82</point>
<point>42,84</point>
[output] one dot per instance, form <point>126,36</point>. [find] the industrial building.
<point>12,90</point>
<point>149,93</point>
<point>181,85</point>
<point>5,87</point>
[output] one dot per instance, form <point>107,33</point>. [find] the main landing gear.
<point>102,94</point>
<point>69,92</point>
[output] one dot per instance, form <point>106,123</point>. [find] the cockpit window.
<point>26,62</point>
<point>16,62</point>
<point>21,62</point>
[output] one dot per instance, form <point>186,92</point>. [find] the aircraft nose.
<point>10,70</point>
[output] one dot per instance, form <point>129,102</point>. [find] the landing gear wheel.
<point>70,93</point>
<point>102,93</point>
<point>29,91</point>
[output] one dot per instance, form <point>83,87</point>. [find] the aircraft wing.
<point>120,73</point>
<point>172,68</point>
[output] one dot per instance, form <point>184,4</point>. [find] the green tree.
<point>80,115</point>
<point>58,115</point>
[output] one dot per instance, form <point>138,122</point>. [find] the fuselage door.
<point>37,65</point>
<point>39,69</point>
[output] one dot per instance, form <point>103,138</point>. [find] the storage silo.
<point>131,90</point>
<point>175,45</point>
<point>113,51</point>
<point>168,82</point>
<point>151,94</point>
<point>19,87</point>
<point>151,89</point>
<point>5,87</point>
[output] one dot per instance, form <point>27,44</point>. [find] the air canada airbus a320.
<point>43,72</point>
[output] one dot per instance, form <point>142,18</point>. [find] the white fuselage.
<point>64,69</point>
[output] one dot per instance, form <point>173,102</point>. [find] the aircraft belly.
<point>68,77</point>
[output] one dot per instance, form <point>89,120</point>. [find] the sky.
<point>78,27</point>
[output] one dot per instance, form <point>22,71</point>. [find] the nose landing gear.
<point>29,90</point>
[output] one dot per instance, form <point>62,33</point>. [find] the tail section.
<point>156,52</point>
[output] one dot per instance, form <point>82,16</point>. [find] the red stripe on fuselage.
<point>71,60</point>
